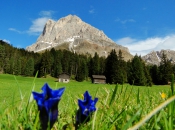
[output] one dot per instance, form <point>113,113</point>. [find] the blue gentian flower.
<point>48,105</point>
<point>86,108</point>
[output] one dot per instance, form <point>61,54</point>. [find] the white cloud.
<point>126,40</point>
<point>128,20</point>
<point>15,30</point>
<point>143,47</point>
<point>38,24</point>
<point>124,21</point>
<point>46,13</point>
<point>7,41</point>
<point>169,43</point>
<point>92,11</point>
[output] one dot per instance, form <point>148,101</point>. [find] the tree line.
<point>81,67</point>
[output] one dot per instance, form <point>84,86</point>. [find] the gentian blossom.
<point>48,105</point>
<point>86,108</point>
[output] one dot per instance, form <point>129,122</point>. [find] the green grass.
<point>119,107</point>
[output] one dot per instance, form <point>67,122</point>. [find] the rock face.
<point>73,34</point>
<point>154,57</point>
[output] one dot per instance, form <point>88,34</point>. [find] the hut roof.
<point>64,75</point>
<point>98,77</point>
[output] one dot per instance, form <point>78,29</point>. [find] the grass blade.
<point>19,88</point>
<point>113,95</point>
<point>32,88</point>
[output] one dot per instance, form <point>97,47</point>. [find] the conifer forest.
<point>81,67</point>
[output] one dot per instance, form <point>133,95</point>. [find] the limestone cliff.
<point>73,34</point>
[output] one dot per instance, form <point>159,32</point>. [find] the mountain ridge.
<point>154,57</point>
<point>75,35</point>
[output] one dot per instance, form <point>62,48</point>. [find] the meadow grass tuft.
<point>119,106</point>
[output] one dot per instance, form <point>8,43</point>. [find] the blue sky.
<point>140,25</point>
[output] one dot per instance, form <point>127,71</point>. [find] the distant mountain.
<point>73,34</point>
<point>154,57</point>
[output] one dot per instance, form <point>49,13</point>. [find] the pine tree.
<point>14,63</point>
<point>111,67</point>
<point>154,72</point>
<point>90,66</point>
<point>147,75</point>
<point>76,65</point>
<point>136,74</point>
<point>65,61</point>
<point>7,65</point>
<point>96,65</point>
<point>23,65</point>
<point>17,67</point>
<point>121,69</point>
<point>2,57</point>
<point>102,65</point>
<point>57,67</point>
<point>81,72</point>
<point>29,69</point>
<point>165,70</point>
<point>46,64</point>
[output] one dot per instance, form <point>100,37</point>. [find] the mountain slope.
<point>154,57</point>
<point>73,34</point>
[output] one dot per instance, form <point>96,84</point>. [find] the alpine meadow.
<point>136,95</point>
<point>87,65</point>
<point>118,106</point>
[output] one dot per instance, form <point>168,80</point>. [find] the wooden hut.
<point>98,79</point>
<point>65,78</point>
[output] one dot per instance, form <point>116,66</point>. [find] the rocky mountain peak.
<point>71,18</point>
<point>154,57</point>
<point>73,34</point>
<point>48,26</point>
